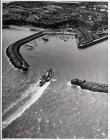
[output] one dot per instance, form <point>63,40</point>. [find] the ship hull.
<point>46,77</point>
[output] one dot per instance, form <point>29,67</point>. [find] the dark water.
<point>61,110</point>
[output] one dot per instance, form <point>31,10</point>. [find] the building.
<point>15,13</point>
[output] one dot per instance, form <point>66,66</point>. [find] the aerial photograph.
<point>55,69</point>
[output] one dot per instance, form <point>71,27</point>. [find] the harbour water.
<point>61,110</point>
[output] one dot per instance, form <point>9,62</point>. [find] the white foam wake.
<point>35,96</point>
<point>16,102</point>
<point>68,83</point>
<point>23,96</point>
<point>53,80</point>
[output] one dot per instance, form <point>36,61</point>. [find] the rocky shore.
<point>92,86</point>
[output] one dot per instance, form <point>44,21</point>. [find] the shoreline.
<point>30,28</point>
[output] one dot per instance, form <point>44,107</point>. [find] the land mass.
<point>88,19</point>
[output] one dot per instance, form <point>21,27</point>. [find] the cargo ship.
<point>84,45</point>
<point>46,77</point>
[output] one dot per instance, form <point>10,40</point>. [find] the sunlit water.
<point>62,110</point>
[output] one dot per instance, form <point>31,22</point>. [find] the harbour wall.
<point>92,86</point>
<point>81,46</point>
<point>13,51</point>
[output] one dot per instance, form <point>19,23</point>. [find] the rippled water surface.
<point>58,110</point>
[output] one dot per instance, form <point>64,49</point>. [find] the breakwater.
<point>87,38</point>
<point>92,86</point>
<point>85,45</point>
<point>13,51</point>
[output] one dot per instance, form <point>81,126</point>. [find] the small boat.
<point>29,47</point>
<point>45,39</point>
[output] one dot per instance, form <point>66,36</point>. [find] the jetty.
<point>88,38</point>
<point>92,86</point>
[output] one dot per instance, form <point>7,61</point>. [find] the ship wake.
<point>36,92</point>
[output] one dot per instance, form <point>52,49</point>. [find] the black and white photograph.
<point>54,69</point>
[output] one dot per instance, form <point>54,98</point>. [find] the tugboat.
<point>46,77</point>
